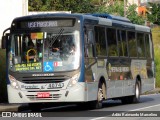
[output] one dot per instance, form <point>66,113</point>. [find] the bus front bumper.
<point>77,93</point>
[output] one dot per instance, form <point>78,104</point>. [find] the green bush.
<point>3,88</point>
<point>157,63</point>
<point>156,42</point>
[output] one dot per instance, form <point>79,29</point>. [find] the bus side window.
<point>122,43</point>
<point>132,44</point>
<point>100,41</point>
<point>89,48</point>
<point>112,42</point>
<point>148,45</point>
<point>140,45</point>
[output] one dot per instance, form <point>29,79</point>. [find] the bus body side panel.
<point>149,83</point>
<point>143,68</point>
<point>120,82</point>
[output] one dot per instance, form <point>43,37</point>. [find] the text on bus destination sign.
<point>42,24</point>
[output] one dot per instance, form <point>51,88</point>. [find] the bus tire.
<point>136,97</point>
<point>132,99</point>
<point>35,107</point>
<point>100,97</point>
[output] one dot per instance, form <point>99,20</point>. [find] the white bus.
<point>77,58</point>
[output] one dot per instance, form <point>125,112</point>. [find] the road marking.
<point>145,107</point>
<point>128,111</point>
<point>149,94</point>
<point>98,118</point>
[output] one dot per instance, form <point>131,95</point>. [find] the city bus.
<point>77,58</point>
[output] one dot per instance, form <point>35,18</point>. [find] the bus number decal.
<point>55,85</point>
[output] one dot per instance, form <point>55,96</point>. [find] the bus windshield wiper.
<point>52,40</point>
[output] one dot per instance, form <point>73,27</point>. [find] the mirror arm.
<point>5,31</point>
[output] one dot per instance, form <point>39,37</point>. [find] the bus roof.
<point>102,19</point>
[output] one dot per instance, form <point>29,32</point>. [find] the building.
<point>9,9</point>
<point>142,5</point>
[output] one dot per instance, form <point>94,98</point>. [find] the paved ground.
<point>20,107</point>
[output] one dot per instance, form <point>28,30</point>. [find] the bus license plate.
<point>55,85</point>
<point>43,95</point>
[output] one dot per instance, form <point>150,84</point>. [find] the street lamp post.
<point>125,8</point>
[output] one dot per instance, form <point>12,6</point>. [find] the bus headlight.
<point>74,80</point>
<point>14,82</point>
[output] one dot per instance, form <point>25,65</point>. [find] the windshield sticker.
<point>57,64</point>
<point>48,67</point>
<point>28,67</point>
<point>36,36</point>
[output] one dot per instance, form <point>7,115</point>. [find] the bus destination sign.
<point>42,24</point>
<point>46,23</point>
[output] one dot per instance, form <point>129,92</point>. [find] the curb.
<point>155,91</point>
<point>6,107</point>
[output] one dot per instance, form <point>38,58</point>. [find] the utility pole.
<point>125,12</point>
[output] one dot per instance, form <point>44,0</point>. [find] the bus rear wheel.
<point>135,98</point>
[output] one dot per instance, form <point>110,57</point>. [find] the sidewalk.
<point>155,91</point>
<point>5,107</point>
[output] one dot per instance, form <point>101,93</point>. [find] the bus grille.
<point>36,80</point>
<point>51,97</point>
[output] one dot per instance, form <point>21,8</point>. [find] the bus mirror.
<point>4,39</point>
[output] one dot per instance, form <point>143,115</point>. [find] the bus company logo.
<point>43,74</point>
<point>29,86</point>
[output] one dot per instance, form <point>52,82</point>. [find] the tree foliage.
<point>80,6</point>
<point>154,13</point>
<point>35,5</point>
<point>114,7</point>
<point>133,16</point>
<point>118,9</point>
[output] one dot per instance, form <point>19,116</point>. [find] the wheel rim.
<point>100,94</point>
<point>137,91</point>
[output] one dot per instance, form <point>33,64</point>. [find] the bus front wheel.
<point>100,96</point>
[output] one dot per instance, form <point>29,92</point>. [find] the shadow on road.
<point>107,105</point>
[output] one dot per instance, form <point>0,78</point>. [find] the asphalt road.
<point>114,110</point>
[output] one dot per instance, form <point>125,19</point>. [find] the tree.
<point>154,13</point>
<point>117,8</point>
<point>133,16</point>
<point>114,7</point>
<point>80,6</point>
<point>34,5</point>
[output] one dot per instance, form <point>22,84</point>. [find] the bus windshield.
<point>54,51</point>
